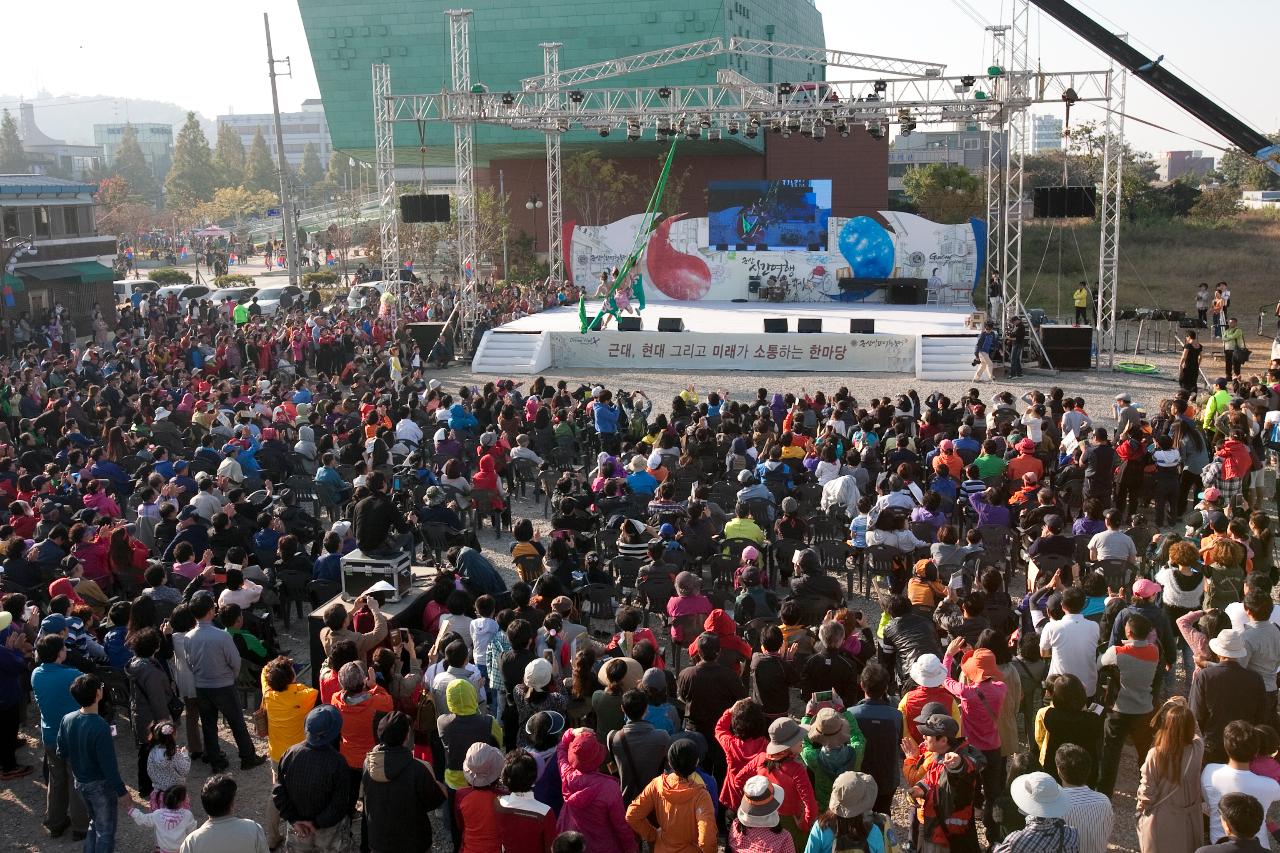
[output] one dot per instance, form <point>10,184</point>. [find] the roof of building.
<point>35,184</point>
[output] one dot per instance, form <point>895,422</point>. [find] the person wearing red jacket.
<point>1237,462</point>
<point>781,764</point>
<point>942,779</point>
<point>743,733</point>
<point>735,652</point>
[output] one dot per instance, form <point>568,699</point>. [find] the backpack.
<point>1223,587</point>
<point>849,845</point>
<point>424,714</point>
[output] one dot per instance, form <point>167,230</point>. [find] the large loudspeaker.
<point>908,291</point>
<point>1192,323</point>
<point>1068,347</point>
<point>809,325</point>
<point>424,208</point>
<point>630,324</point>
<point>670,324</point>
<point>862,325</point>
<point>1065,202</point>
<point>425,335</point>
<point>775,325</point>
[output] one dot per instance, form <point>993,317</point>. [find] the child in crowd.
<point>171,821</point>
<point>661,712</point>
<point>482,631</point>
<point>167,764</point>
<point>772,675</point>
<point>861,522</point>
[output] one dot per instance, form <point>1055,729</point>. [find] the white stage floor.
<point>748,317</point>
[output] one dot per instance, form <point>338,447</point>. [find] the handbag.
<point>260,721</point>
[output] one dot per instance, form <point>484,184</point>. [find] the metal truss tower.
<point>385,152</point>
<point>464,162</point>
<point>555,217</point>
<point>1109,216</point>
<point>995,173</point>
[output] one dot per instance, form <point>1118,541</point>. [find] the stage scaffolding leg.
<point>555,216</point>
<point>1109,243</point>
<point>384,145</point>
<point>465,188</point>
<point>997,142</point>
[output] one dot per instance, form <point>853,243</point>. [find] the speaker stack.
<point>775,325</point>
<point>424,208</point>
<point>1068,347</point>
<point>862,325</point>
<point>630,324</point>
<point>670,324</point>
<point>908,291</point>
<point>809,325</point>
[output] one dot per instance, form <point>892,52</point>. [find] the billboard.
<point>773,216</point>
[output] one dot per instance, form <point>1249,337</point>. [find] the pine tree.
<point>192,177</point>
<point>13,160</point>
<point>259,170</point>
<point>340,171</point>
<point>131,164</point>
<point>228,157</point>
<point>312,170</point>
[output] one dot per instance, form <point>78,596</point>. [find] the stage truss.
<point>552,104</point>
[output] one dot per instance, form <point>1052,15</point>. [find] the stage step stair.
<point>513,352</point>
<point>945,356</point>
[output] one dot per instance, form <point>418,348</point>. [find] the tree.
<point>944,192</point>
<point>120,211</point>
<point>228,157</point>
<point>340,171</point>
<point>436,244</point>
<point>312,170</point>
<point>259,169</point>
<point>596,187</point>
<point>1245,172</point>
<point>192,176</point>
<point>131,165</point>
<point>13,160</point>
<point>669,204</point>
<point>235,204</point>
<point>1217,204</point>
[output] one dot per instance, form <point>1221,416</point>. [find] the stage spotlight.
<point>562,125</point>
<point>793,123</point>
<point>704,121</point>
<point>604,131</point>
<point>968,80</point>
<point>881,85</point>
<point>1069,96</point>
<point>733,128</point>
<point>775,126</point>
<point>508,99</point>
<point>785,88</point>
<point>843,129</point>
<point>751,132</point>
<point>664,92</point>
<point>713,134</point>
<point>874,131</point>
<point>806,130</point>
<point>633,133</point>
<point>576,96</point>
<point>819,132</point>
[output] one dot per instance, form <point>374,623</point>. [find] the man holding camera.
<point>375,518</point>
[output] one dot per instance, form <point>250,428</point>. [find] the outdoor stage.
<point>731,336</point>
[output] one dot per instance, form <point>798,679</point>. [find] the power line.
<point>1161,127</point>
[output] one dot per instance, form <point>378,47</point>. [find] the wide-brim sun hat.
<point>761,800</point>
<point>927,671</point>
<point>1039,795</point>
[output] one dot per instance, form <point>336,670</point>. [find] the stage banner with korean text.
<point>834,353</point>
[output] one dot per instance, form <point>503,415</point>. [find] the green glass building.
<point>347,36</point>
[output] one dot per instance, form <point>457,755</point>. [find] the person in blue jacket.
<point>13,669</point>
<point>51,684</point>
<point>606,416</point>
<point>460,419</point>
<point>982,349</point>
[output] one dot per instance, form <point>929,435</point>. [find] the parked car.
<point>238,294</point>
<point>185,293</point>
<point>125,288</point>
<point>372,291</point>
<point>269,298</point>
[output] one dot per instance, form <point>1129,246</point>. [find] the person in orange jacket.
<point>680,805</point>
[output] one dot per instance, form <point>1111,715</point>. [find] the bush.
<point>169,275</point>
<point>321,278</point>
<point>233,280</point>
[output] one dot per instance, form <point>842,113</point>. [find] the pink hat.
<point>1030,477</point>
<point>1026,446</point>
<point>750,553</point>
<point>947,445</point>
<point>1146,588</point>
<point>1213,493</point>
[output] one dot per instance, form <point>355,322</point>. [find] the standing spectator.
<point>881,726</point>
<point>1130,718</point>
<point>833,745</point>
<point>150,692</point>
<point>592,798</point>
<point>638,749</point>
<point>1071,643</point>
<point>84,742</point>
<point>1040,798</point>
<point>1225,692</point>
<point>1242,821</point>
<point>312,791</point>
<point>781,763</point>
<point>743,733</point>
<point>1262,640</point>
<point>851,822</point>
<point>526,825</point>
<point>215,665</point>
<point>943,818</point>
<point>1240,741</point>
<point>1068,719</point>
<point>982,350</point>
<point>181,620</point>
<point>361,702</point>
<point>222,833</point>
<point>14,650</point>
<point>399,792</point>
<point>51,683</point>
<point>462,726</point>
<point>1170,818</point>
<point>287,705</point>
<point>708,689</point>
<point>1089,813</point>
<point>674,813</point>
<point>980,696</point>
<point>1233,346</point>
<point>756,827</point>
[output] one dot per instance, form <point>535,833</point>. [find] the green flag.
<point>637,292</point>
<point>582,311</point>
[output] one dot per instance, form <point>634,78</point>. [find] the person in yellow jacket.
<point>1081,301</point>
<point>286,704</point>
<point>1216,405</point>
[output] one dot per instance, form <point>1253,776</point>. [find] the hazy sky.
<point>215,59</point>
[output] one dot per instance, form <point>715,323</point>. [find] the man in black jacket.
<point>313,793</point>
<point>907,636</point>
<point>376,516</point>
<point>1099,468</point>
<point>399,792</point>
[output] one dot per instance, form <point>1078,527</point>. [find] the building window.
<point>972,144</point>
<point>70,222</point>
<point>10,224</point>
<point>42,221</point>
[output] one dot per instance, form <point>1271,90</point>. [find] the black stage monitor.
<point>424,208</point>
<point>630,324</point>
<point>862,325</point>
<point>809,325</point>
<point>775,325</point>
<point>670,324</point>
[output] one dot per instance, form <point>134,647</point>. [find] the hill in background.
<point>71,117</point>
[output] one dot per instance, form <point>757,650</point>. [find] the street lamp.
<point>534,203</point>
<point>11,249</point>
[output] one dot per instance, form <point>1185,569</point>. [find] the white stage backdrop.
<point>730,351</point>
<point>675,265</point>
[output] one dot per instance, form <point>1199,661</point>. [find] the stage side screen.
<point>768,215</point>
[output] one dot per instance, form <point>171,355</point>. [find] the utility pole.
<point>287,213</point>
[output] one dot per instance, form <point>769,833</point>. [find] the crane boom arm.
<point>1164,81</point>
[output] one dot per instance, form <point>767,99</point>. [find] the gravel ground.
<point>22,801</point>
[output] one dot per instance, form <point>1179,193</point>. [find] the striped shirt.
<point>1089,813</point>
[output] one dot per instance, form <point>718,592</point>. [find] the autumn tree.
<point>235,204</point>
<point>13,160</point>
<point>259,169</point>
<point>944,192</point>
<point>120,211</point>
<point>192,177</point>
<point>229,157</point>
<point>596,187</point>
